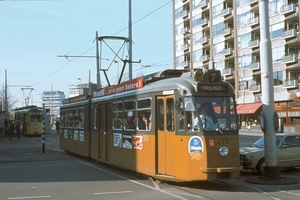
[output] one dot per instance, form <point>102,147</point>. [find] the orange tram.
<point>157,126</point>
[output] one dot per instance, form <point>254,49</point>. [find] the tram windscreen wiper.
<point>208,120</point>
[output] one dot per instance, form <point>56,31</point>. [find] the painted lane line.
<point>138,183</point>
<point>119,192</point>
<point>32,197</point>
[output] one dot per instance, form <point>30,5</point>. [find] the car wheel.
<point>260,166</point>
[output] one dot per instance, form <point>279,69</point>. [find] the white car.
<point>288,153</point>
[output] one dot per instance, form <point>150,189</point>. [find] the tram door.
<point>165,135</point>
<point>105,131</point>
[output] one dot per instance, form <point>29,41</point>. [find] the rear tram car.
<point>158,126</point>
<point>31,119</point>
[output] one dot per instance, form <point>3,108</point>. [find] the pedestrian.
<point>5,124</point>
<point>10,129</point>
<point>18,129</point>
<point>57,126</point>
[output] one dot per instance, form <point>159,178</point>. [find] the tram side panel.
<point>75,130</point>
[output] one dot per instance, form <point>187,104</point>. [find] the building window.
<point>277,30</point>
<point>278,78</point>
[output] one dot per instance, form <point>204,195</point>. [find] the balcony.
<point>290,84</point>
<point>203,3</point>
<point>253,21</point>
<point>226,52</point>
<point>185,47</point>
<point>293,58</point>
<point>253,43</point>
<point>203,40</point>
<point>254,66</point>
<point>252,2</point>
<point>185,30</point>
<point>288,9</point>
<point>254,88</point>
<point>289,34</point>
<point>185,14</point>
<point>203,22</point>
<point>184,64</point>
<point>226,11</point>
<point>204,58</point>
<point>228,71</point>
<point>227,31</point>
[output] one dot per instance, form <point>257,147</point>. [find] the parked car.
<point>288,153</point>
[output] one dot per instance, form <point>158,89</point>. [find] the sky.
<point>35,37</point>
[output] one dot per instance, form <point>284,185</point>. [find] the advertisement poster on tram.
<point>138,142</point>
<point>127,141</point>
<point>117,139</point>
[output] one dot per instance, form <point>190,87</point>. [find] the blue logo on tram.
<point>195,144</point>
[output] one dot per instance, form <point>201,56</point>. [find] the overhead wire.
<point>94,47</point>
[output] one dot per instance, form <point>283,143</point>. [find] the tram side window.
<point>118,116</point>
<point>71,119</point>
<point>66,119</point>
<point>130,115</point>
<point>181,117</point>
<point>75,118</point>
<point>144,117</point>
<point>170,114</point>
<point>95,117</point>
<point>160,113</point>
<point>81,117</point>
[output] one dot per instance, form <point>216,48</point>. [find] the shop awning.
<point>248,108</point>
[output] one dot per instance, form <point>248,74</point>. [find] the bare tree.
<point>11,101</point>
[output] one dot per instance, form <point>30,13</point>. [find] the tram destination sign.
<point>123,87</point>
<point>212,88</point>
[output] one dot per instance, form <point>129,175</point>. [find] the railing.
<point>203,58</point>
<point>184,46</point>
<point>288,8</point>
<point>253,21</point>
<point>228,71</point>
<point>254,65</point>
<point>289,33</point>
<point>253,43</point>
<point>290,84</point>
<point>203,40</point>
<point>254,88</point>
<point>290,58</point>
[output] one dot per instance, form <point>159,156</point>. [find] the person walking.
<point>10,129</point>
<point>5,124</point>
<point>57,126</point>
<point>18,129</point>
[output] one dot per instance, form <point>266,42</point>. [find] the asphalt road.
<point>28,173</point>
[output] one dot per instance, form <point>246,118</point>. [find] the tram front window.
<point>209,113</point>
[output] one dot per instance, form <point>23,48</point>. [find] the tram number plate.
<point>222,141</point>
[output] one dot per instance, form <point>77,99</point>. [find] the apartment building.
<point>52,101</point>
<point>226,34</point>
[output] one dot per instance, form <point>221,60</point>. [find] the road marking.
<point>32,197</point>
<point>133,181</point>
<point>119,192</point>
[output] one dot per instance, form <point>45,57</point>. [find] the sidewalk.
<point>253,132</point>
<point>31,149</point>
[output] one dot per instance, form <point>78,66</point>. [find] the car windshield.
<point>260,142</point>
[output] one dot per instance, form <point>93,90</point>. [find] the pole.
<point>271,168</point>
<point>5,96</point>
<point>130,41</point>
<point>97,62</point>
<point>43,135</point>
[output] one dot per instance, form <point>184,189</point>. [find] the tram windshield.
<point>35,118</point>
<point>208,114</point>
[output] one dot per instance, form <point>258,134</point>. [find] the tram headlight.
<point>223,151</point>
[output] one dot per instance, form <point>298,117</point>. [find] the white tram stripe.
<point>32,197</point>
<point>138,183</point>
